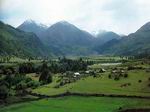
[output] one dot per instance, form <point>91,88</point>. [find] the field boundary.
<point>135,110</point>
<point>87,95</point>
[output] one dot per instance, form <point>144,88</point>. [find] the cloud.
<point>121,16</point>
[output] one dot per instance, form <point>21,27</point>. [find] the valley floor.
<point>78,104</point>
<point>133,92</point>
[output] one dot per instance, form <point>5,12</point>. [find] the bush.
<point>4,92</point>
<point>33,84</point>
<point>116,78</point>
<point>26,68</point>
<point>125,75</point>
<point>109,76</point>
<point>21,86</point>
<point>131,68</point>
<point>27,79</point>
<point>140,81</point>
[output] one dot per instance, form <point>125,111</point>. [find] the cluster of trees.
<point>14,80</point>
<point>27,68</point>
<point>15,84</point>
<point>144,55</point>
<point>116,74</point>
<point>5,59</point>
<point>45,76</point>
<point>64,65</point>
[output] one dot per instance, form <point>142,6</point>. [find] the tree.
<point>20,88</point>
<point>45,77</point>
<point>26,68</point>
<point>4,90</point>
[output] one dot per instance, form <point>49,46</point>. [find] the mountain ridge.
<point>28,44</point>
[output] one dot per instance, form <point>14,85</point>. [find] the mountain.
<point>106,47</point>
<point>107,36</point>
<point>103,37</point>
<point>66,39</point>
<point>32,26</point>
<point>16,42</point>
<point>63,38</point>
<point>134,44</point>
<point>144,28</point>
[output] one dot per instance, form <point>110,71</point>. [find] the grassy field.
<point>77,104</point>
<point>89,84</point>
<point>104,85</point>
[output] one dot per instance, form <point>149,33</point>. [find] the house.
<point>103,70</point>
<point>122,71</point>
<point>77,74</point>
<point>114,71</point>
<point>87,72</point>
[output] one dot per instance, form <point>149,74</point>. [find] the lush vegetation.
<point>30,70</point>
<point>136,44</point>
<point>78,104</point>
<point>28,79</point>
<point>19,43</point>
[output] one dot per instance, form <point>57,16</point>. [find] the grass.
<point>50,89</point>
<point>77,104</point>
<point>89,84</point>
<point>103,85</point>
<point>110,86</point>
<point>33,76</point>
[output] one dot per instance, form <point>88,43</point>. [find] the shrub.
<point>116,78</point>
<point>109,76</point>
<point>140,81</point>
<point>120,108</point>
<point>125,75</point>
<point>4,91</point>
<point>129,84</point>
<point>33,84</point>
<point>131,68</point>
<point>28,79</point>
<point>26,68</point>
<point>21,86</point>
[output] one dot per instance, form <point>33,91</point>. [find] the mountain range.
<point>134,44</point>
<point>17,42</point>
<point>63,38</point>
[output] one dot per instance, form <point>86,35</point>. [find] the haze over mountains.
<point>63,38</point>
<point>32,26</point>
<point>134,44</point>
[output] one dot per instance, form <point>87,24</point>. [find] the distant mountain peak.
<point>145,27</point>
<point>63,22</point>
<point>63,25</point>
<point>32,22</point>
<point>29,21</point>
<point>32,26</point>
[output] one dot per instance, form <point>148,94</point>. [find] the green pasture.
<point>78,104</point>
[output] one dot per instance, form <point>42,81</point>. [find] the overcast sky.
<point>121,16</point>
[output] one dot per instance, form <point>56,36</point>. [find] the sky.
<point>120,16</point>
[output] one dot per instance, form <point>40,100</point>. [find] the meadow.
<point>133,79</point>
<point>78,104</point>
